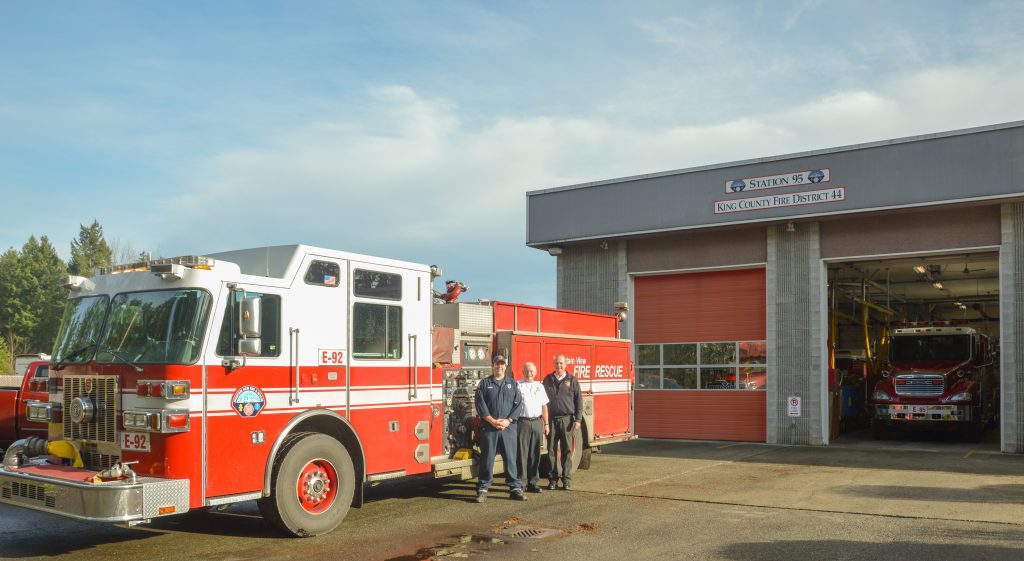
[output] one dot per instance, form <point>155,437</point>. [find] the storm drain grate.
<point>529,532</point>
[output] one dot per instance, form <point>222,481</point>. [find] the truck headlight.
<point>42,411</point>
<point>960,397</point>
<point>879,395</point>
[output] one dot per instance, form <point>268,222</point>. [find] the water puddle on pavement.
<point>458,547</point>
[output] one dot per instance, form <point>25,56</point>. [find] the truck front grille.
<point>28,491</point>
<point>102,392</point>
<point>920,385</point>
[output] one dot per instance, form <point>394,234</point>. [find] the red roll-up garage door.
<point>710,307</point>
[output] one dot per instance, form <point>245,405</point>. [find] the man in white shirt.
<point>533,426</point>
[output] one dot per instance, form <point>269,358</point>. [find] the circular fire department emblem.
<point>248,401</point>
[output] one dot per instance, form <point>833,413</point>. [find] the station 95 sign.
<point>794,179</point>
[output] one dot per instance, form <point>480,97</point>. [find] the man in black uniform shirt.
<point>497,403</point>
<point>565,411</point>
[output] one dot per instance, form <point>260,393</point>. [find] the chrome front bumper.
<point>114,501</point>
<point>922,413</point>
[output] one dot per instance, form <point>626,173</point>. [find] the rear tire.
<point>312,485</point>
<point>585,459</point>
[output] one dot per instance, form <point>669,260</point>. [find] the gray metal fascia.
<point>794,155</point>
<point>776,219</point>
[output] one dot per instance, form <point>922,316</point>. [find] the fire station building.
<point>760,292</point>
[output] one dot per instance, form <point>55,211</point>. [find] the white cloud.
<point>408,178</point>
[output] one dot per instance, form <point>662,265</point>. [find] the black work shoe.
<point>517,495</point>
<point>534,489</point>
<point>481,497</point>
<point>566,486</point>
<point>552,486</point>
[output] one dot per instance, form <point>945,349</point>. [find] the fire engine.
<point>939,372</point>
<point>292,375</point>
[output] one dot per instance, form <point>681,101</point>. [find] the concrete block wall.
<point>592,278</point>
<point>1011,328</point>
<point>795,335</point>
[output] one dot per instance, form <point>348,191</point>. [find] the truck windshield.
<point>931,347</point>
<point>79,328</point>
<point>160,326</point>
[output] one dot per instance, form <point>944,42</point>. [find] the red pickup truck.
<point>14,392</point>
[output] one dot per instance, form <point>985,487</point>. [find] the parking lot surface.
<point>647,499</point>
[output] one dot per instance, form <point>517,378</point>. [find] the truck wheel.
<point>585,459</point>
<point>312,486</point>
<point>973,431</point>
<point>576,442</point>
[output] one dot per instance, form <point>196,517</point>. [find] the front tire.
<point>880,430</point>
<point>312,485</point>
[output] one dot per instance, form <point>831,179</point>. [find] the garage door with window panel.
<point>700,355</point>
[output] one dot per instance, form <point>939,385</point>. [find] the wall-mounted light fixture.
<point>555,250</point>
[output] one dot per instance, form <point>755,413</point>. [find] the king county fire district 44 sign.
<point>795,179</point>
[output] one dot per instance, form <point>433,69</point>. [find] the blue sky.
<point>412,130</point>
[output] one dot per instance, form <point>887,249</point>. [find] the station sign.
<point>765,202</point>
<point>794,179</point>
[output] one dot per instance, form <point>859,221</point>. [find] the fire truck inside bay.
<point>290,375</point>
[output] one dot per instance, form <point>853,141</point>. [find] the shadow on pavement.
<point>1009,494</point>
<point>842,550</point>
<point>954,460</point>
<point>243,520</point>
<point>74,536</point>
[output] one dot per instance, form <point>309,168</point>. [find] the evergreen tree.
<point>90,251</point>
<point>48,295</point>
<point>15,319</point>
<point>6,360</point>
<point>31,295</point>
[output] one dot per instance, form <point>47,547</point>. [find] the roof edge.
<point>846,148</point>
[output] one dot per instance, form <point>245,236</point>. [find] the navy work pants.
<point>560,440</point>
<point>491,441</point>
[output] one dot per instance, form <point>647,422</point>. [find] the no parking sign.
<point>794,405</point>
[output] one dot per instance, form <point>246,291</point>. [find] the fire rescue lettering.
<point>578,367</point>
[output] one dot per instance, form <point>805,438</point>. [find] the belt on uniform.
<point>529,418</point>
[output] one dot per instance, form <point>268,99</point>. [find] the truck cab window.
<point>376,331</point>
<point>323,273</point>
<point>270,326</point>
<point>375,284</point>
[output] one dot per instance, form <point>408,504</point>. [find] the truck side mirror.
<point>249,347</point>
<point>249,317</point>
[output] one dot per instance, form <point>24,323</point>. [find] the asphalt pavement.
<point>919,498</point>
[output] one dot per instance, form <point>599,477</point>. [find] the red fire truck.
<point>940,372</point>
<point>292,375</point>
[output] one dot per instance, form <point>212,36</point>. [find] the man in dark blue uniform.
<point>497,403</point>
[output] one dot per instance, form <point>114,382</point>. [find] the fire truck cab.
<point>937,373</point>
<point>291,375</point>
